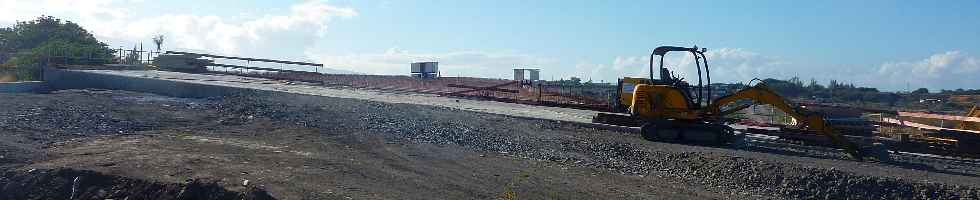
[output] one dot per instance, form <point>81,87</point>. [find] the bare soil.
<point>307,147</point>
<point>76,184</point>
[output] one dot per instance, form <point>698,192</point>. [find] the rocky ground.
<point>80,184</point>
<point>306,147</point>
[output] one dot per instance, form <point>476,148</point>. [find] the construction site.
<point>181,126</point>
<point>274,106</point>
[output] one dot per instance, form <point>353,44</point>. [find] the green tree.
<point>571,81</point>
<point>814,86</point>
<point>921,91</point>
<point>790,88</point>
<point>47,36</point>
<point>158,40</point>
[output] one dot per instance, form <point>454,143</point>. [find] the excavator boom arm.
<point>762,94</point>
<point>975,112</point>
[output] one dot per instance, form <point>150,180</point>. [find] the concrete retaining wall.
<point>59,79</point>
<point>24,86</point>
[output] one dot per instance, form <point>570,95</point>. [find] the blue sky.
<point>884,44</point>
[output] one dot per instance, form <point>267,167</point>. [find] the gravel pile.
<point>80,184</point>
<point>578,146</point>
<point>76,113</point>
<point>68,119</point>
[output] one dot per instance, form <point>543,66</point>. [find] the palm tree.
<point>158,39</point>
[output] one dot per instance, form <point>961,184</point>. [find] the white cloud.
<point>726,65</point>
<point>284,36</point>
<point>292,34</point>
<point>947,70</point>
<point>82,10</point>
<point>395,61</point>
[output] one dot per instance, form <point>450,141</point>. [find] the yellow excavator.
<point>670,109</point>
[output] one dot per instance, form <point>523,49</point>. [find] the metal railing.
<point>27,66</point>
<point>83,57</point>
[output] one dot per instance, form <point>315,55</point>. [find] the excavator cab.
<point>668,96</point>
<point>696,96</point>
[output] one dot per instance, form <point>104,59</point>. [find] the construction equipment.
<point>182,62</point>
<point>670,109</point>
<point>968,125</point>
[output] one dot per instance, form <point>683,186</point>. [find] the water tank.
<point>425,69</point>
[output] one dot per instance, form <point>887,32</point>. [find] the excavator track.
<point>679,131</point>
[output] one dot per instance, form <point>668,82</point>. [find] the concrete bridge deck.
<point>204,85</point>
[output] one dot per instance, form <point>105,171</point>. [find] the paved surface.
<point>510,109</point>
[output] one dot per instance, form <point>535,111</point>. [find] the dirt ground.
<point>307,147</point>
